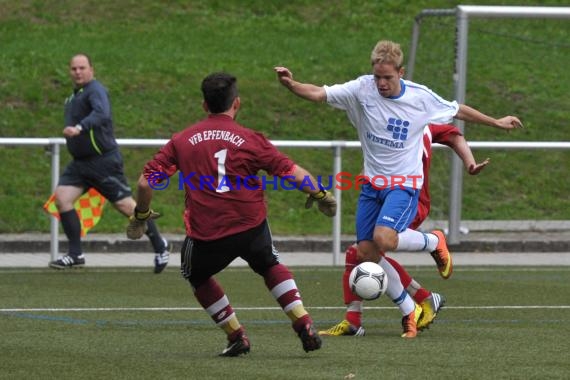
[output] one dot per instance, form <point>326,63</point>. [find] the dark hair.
<point>219,91</point>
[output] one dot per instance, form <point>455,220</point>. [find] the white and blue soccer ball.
<point>368,281</point>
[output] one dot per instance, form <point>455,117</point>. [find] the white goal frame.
<point>462,14</point>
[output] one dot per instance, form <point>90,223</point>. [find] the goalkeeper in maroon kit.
<point>218,161</point>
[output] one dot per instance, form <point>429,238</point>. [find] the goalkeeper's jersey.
<point>218,162</point>
<point>390,129</point>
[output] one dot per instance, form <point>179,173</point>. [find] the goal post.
<point>462,14</point>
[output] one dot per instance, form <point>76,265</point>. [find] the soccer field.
<point>499,323</point>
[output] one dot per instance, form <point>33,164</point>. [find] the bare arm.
<point>462,149</point>
<point>144,194</point>
<point>304,90</point>
<point>301,176</point>
<point>469,114</point>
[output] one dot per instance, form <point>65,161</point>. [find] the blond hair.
<point>387,52</point>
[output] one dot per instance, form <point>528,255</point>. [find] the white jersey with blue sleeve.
<point>391,129</point>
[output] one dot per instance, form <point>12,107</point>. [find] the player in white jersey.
<point>389,114</point>
<point>390,128</point>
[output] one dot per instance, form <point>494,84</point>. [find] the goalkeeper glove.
<point>326,201</point>
<point>137,223</point>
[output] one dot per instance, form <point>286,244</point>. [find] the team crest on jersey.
<point>398,128</point>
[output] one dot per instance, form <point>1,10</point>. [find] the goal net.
<point>516,65</point>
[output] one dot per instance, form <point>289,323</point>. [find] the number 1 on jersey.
<point>221,156</point>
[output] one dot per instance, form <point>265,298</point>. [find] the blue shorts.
<point>393,208</point>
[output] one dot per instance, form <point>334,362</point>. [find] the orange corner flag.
<point>89,208</point>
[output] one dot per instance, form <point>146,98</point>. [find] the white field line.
<point>96,309</point>
<point>327,268</point>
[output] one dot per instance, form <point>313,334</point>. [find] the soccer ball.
<point>368,281</point>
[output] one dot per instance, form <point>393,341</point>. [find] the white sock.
<point>405,303</point>
<point>411,240</point>
<point>433,240</point>
<point>396,290</point>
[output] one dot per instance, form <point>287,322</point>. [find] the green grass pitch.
<point>499,323</point>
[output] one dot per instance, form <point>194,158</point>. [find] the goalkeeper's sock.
<point>283,288</point>
<point>155,239</point>
<point>213,299</point>
<point>72,228</point>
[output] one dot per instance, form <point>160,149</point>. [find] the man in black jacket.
<point>96,163</point>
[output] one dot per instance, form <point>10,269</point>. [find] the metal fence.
<point>337,147</point>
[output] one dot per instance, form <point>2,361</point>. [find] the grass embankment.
<point>152,58</point>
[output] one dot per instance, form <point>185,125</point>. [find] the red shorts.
<point>421,215</point>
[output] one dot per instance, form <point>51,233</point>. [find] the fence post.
<point>456,178</point>
<point>337,220</point>
<point>54,222</point>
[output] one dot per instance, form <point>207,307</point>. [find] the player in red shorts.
<point>430,302</point>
